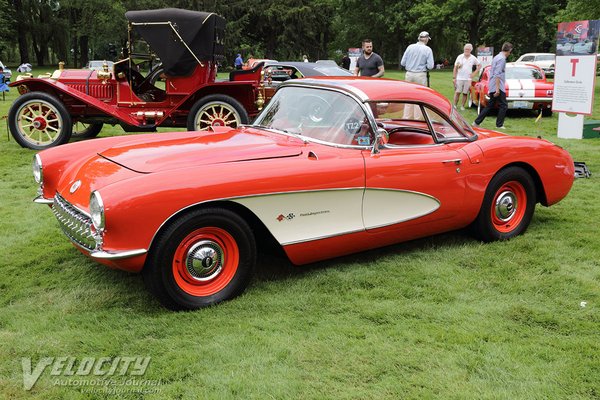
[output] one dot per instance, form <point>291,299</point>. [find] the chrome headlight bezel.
<point>97,211</point>
<point>38,171</point>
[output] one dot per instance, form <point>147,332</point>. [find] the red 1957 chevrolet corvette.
<point>330,167</point>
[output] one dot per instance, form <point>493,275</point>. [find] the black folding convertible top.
<point>201,31</point>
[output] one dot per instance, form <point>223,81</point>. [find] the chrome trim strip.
<point>538,99</point>
<point>42,200</point>
<point>117,255</point>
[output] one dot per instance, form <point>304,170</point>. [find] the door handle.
<point>456,161</point>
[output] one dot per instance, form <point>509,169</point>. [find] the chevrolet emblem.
<point>75,186</point>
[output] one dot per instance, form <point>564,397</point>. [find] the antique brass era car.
<point>181,48</point>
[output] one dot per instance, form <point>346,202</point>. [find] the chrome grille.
<point>74,223</point>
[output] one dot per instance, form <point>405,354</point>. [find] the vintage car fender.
<point>242,91</point>
<point>36,84</point>
<point>553,175</point>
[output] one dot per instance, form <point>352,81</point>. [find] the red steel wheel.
<point>201,258</point>
<point>508,205</point>
<point>205,261</point>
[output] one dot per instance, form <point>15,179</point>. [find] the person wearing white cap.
<point>417,59</point>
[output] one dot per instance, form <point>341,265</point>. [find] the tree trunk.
<point>84,47</point>
<point>21,31</point>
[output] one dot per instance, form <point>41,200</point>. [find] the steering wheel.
<point>315,108</point>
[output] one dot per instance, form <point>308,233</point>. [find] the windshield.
<point>320,114</point>
<point>548,57</point>
<point>332,70</point>
<point>523,73</point>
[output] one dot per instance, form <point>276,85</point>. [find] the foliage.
<point>74,30</point>
<point>442,317</point>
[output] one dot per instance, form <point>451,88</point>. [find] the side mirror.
<point>381,139</point>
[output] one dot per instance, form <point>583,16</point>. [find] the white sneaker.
<point>462,108</point>
<point>501,127</point>
<point>475,124</point>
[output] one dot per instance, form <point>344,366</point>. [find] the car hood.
<point>174,151</point>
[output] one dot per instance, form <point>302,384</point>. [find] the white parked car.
<point>6,72</point>
<point>97,65</point>
<point>543,60</point>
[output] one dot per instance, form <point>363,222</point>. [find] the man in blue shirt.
<point>496,88</point>
<point>418,59</point>
<point>239,61</point>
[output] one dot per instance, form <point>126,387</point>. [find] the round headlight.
<point>37,169</point>
<point>97,211</point>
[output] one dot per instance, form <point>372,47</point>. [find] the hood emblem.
<point>75,186</point>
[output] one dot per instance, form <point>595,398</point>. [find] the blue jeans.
<point>503,106</point>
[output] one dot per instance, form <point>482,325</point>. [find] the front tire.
<point>202,258</point>
<point>216,110</point>
<point>39,120</point>
<point>508,206</point>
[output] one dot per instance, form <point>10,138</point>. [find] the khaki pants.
<point>410,111</point>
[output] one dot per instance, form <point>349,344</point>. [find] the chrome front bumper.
<point>77,226</point>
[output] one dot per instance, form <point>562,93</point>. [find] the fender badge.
<point>75,186</point>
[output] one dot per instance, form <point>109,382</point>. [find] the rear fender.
<point>246,93</point>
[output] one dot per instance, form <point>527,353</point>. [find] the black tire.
<point>503,215</point>
<point>219,110</point>
<point>202,258</point>
<point>85,131</point>
<point>39,121</point>
<point>547,112</point>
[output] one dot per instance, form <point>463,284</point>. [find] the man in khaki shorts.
<point>463,74</point>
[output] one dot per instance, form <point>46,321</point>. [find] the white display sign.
<point>574,80</point>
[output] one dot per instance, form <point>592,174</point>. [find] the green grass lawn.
<point>443,317</point>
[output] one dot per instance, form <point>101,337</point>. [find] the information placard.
<point>574,80</point>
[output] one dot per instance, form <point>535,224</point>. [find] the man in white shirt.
<point>463,74</point>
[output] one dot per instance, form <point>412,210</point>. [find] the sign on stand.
<point>485,55</point>
<point>575,75</point>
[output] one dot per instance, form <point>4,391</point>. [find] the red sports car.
<point>526,88</point>
<point>330,167</point>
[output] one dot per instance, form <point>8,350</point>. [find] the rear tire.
<point>85,131</point>
<point>39,121</point>
<point>203,258</point>
<point>507,207</point>
<point>216,110</point>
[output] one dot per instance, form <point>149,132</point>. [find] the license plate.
<point>522,104</point>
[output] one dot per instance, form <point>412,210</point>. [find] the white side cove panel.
<point>387,207</point>
<point>303,216</point>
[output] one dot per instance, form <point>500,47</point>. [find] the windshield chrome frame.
<point>362,104</point>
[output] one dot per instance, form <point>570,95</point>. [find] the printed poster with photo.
<point>354,53</point>
<point>577,38</point>
<point>485,55</point>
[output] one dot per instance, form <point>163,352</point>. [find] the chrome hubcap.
<point>506,205</point>
<point>204,260</point>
